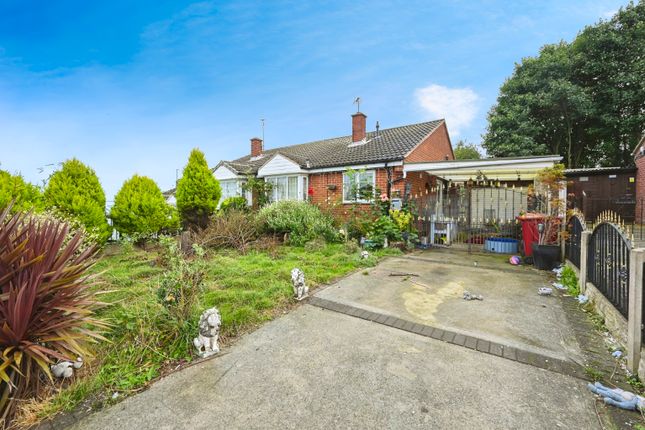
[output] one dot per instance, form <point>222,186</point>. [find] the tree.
<point>198,192</point>
<point>140,208</point>
<point>610,62</point>
<point>75,192</point>
<point>13,188</point>
<point>466,151</point>
<point>582,100</point>
<point>540,110</point>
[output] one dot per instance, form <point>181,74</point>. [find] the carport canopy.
<point>503,169</point>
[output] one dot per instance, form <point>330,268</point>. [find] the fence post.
<point>635,311</point>
<point>584,249</point>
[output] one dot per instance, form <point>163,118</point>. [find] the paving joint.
<point>482,346</point>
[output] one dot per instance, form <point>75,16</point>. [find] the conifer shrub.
<point>140,209</point>
<point>25,196</point>
<point>198,192</point>
<point>75,192</point>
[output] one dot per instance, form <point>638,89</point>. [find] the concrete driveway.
<point>512,313</point>
<point>349,366</point>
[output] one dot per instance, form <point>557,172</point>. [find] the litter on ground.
<point>470,296</point>
<point>582,299</point>
<point>558,285</point>
<point>545,291</point>
<point>617,397</point>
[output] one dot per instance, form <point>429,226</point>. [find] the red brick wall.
<point>640,187</point>
<point>420,182</point>
<point>332,199</point>
<point>435,147</point>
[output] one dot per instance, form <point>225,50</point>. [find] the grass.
<point>145,342</point>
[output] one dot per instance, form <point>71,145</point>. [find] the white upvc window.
<point>230,188</point>
<point>287,187</point>
<point>359,186</point>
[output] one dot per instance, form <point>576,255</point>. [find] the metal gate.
<point>575,226</point>
<point>608,264</point>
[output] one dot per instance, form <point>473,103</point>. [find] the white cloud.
<point>457,105</point>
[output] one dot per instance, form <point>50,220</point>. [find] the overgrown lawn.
<point>145,342</point>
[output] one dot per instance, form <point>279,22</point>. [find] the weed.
<point>635,382</point>
<point>570,281</point>
<point>593,373</point>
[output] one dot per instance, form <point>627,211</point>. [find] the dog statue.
<point>300,290</point>
<point>209,325</point>
<point>65,369</point>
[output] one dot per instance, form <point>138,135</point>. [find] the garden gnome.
<point>300,290</point>
<point>206,341</point>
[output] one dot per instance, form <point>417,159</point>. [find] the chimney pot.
<point>256,147</point>
<point>358,126</point>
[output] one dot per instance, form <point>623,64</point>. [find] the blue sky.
<point>130,87</point>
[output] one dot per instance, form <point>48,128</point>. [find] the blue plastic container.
<point>501,245</point>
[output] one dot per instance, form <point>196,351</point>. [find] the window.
<point>229,188</point>
<point>358,186</point>
<point>284,188</point>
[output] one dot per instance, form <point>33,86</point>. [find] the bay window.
<point>287,187</point>
<point>229,188</point>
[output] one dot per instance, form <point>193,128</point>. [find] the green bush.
<point>141,210</point>
<point>198,192</point>
<point>301,220</point>
<point>570,281</point>
<point>75,192</point>
<point>24,195</point>
<point>236,203</point>
<point>384,228</point>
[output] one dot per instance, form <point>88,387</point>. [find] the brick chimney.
<point>256,147</point>
<point>358,126</point>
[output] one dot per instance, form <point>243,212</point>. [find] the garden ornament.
<point>545,291</point>
<point>300,290</point>
<point>206,341</point>
<point>65,369</point>
<point>365,255</point>
<point>617,397</point>
<point>469,296</point>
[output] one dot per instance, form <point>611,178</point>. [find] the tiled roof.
<point>390,145</point>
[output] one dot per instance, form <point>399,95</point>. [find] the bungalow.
<point>318,171</point>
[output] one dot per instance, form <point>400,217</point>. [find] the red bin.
<point>530,233</point>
